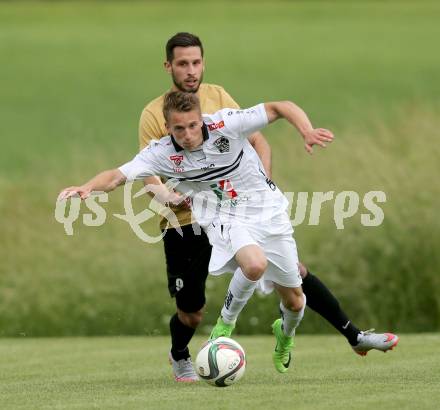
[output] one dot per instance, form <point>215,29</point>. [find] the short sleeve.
<point>142,165</point>
<point>245,122</point>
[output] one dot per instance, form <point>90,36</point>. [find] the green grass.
<point>75,78</point>
<point>133,373</point>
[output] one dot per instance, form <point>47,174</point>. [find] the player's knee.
<point>195,319</point>
<point>302,270</point>
<point>255,269</point>
<point>298,304</point>
<point>192,319</point>
<point>294,302</point>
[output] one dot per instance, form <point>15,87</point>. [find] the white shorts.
<point>274,237</point>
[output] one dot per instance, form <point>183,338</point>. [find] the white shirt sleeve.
<point>142,165</point>
<point>246,121</point>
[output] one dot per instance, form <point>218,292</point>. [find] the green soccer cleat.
<point>221,329</point>
<point>281,356</point>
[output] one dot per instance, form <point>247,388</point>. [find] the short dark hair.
<point>182,40</point>
<point>179,101</point>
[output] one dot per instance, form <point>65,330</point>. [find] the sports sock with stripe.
<point>239,292</point>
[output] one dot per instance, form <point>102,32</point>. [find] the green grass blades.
<point>133,373</point>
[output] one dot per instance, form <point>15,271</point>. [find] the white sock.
<point>291,319</point>
<point>239,292</point>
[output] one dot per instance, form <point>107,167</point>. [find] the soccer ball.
<point>221,362</point>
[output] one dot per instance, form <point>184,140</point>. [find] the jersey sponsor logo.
<point>224,190</point>
<point>226,186</point>
<point>269,182</point>
<point>177,159</point>
<point>235,112</point>
<point>208,167</point>
<point>216,125</point>
<point>179,170</point>
<point>222,144</point>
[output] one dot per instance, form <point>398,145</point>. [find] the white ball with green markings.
<point>221,362</point>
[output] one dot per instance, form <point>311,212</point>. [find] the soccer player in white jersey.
<point>242,211</point>
<point>188,251</point>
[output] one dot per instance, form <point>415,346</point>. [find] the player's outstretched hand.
<point>317,136</point>
<point>83,193</point>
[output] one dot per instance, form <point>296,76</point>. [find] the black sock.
<point>322,301</point>
<point>180,337</point>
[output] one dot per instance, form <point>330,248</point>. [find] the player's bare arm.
<point>105,181</point>
<point>262,147</point>
<point>298,118</point>
<point>109,180</point>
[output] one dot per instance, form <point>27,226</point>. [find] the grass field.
<point>73,80</point>
<point>133,373</point>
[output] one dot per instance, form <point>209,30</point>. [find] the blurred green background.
<point>74,78</point>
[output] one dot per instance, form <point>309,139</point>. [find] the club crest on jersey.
<point>216,125</point>
<point>222,144</point>
<point>177,159</point>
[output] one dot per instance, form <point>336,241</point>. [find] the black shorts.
<point>187,259</point>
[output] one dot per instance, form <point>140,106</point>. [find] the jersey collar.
<point>205,134</point>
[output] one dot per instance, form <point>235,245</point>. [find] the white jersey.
<point>224,176</point>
